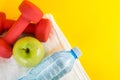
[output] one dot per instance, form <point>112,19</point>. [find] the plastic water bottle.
<point>53,67</point>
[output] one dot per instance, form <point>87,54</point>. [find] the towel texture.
<point>10,70</point>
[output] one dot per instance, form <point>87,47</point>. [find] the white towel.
<point>10,70</point>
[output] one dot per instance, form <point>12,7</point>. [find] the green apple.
<point>28,51</point>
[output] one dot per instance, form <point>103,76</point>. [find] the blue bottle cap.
<point>76,52</point>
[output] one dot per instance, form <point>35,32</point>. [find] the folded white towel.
<point>10,70</point>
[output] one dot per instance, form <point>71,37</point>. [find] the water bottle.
<point>54,67</point>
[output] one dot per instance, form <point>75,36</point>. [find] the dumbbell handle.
<point>17,28</point>
<point>7,24</point>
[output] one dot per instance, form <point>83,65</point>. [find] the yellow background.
<point>92,25</point>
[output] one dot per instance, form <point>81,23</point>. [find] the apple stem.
<point>27,50</point>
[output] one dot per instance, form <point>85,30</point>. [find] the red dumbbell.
<point>5,24</point>
<point>29,13</point>
<point>41,30</point>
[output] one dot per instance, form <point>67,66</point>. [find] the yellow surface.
<point>92,25</point>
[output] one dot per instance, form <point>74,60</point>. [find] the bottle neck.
<point>73,54</point>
